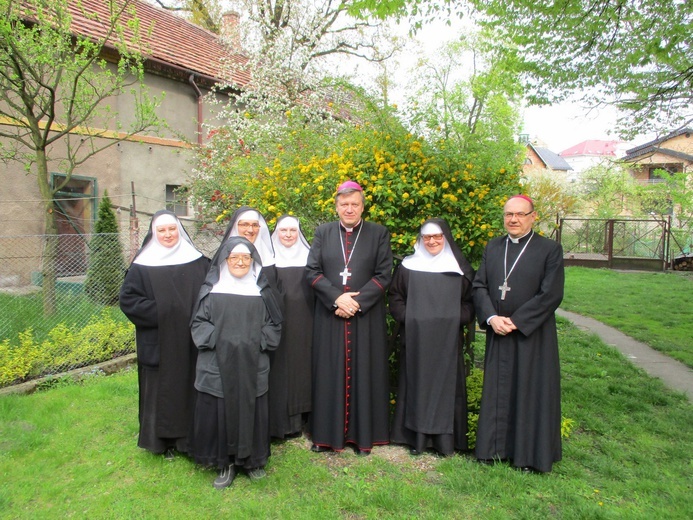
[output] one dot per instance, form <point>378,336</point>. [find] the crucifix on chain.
<point>502,288</point>
<point>346,274</point>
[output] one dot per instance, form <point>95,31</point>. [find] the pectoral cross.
<point>502,288</point>
<point>345,275</point>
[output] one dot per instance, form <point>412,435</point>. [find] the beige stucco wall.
<point>151,162</point>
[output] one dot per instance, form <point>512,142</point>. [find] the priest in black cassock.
<point>517,290</point>
<point>431,299</point>
<point>349,268</point>
<point>290,377</point>
<point>236,324</point>
<point>158,295</point>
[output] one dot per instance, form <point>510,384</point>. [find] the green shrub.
<point>106,264</point>
<point>101,339</point>
<point>475,383</point>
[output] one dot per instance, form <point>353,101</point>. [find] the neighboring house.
<point>183,62</point>
<point>673,153</point>
<point>591,153</point>
<point>539,158</point>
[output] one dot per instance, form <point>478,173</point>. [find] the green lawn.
<point>655,308</point>
<point>70,452</point>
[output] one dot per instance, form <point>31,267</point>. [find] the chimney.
<point>231,30</point>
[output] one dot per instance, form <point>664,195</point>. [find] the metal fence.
<point>615,243</point>
<point>49,328</point>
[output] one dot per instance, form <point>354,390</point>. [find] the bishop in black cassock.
<point>349,268</point>
<point>517,290</point>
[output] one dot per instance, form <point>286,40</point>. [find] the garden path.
<point>673,373</point>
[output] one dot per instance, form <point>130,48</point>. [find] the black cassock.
<point>432,309</point>
<point>520,417</point>
<point>290,377</point>
<point>159,300</point>
<point>350,367</point>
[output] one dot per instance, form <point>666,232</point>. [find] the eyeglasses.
<point>235,259</point>
<point>518,214</point>
<point>246,225</point>
<point>428,238</point>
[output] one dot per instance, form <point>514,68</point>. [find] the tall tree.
<point>468,95</point>
<point>55,93</point>
<point>633,54</point>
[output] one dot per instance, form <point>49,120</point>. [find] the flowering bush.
<point>405,181</point>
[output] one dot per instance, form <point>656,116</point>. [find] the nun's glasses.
<point>240,258</point>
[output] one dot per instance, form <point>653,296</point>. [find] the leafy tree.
<point>607,191</point>
<point>671,197</point>
<point>55,90</point>
<point>106,263</point>
<point>635,54</point>
<point>552,197</point>
<point>292,108</point>
<point>468,97</point>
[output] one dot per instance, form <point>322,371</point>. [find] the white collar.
<point>517,240</point>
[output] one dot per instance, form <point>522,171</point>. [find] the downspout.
<point>198,93</point>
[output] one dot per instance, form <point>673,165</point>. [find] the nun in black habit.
<point>249,223</point>
<point>158,295</point>
<point>431,298</point>
<point>236,325</point>
<point>290,377</point>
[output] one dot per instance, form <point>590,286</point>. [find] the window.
<point>177,200</point>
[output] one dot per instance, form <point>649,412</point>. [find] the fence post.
<point>610,243</point>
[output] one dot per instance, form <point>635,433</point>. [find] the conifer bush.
<point>106,265</point>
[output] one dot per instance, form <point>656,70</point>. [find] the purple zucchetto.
<point>349,185</point>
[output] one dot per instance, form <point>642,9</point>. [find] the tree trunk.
<point>50,248</point>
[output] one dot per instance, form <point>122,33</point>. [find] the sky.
<point>559,126</point>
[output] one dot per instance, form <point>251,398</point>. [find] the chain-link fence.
<point>58,295</point>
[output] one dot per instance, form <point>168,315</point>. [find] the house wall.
<point>150,162</point>
<point>536,162</point>
<point>682,143</point>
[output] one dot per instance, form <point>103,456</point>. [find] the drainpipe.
<point>198,94</point>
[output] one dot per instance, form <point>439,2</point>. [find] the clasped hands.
<point>502,325</point>
<point>346,305</point>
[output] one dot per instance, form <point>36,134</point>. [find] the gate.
<point>615,243</point>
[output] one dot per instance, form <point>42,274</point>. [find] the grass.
<point>654,308</point>
<point>71,452</point>
<point>26,312</point>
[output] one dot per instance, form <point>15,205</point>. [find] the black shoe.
<point>169,454</point>
<point>362,453</point>
<point>225,478</point>
<point>319,449</point>
<point>414,452</point>
<point>487,462</point>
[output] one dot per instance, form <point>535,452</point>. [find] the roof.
<point>551,159</point>
<point>664,151</point>
<point>592,147</point>
<point>168,38</point>
<point>652,146</point>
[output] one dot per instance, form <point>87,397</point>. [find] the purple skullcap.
<point>525,197</point>
<point>349,185</point>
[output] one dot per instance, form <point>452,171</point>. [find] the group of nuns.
<point>207,333</point>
